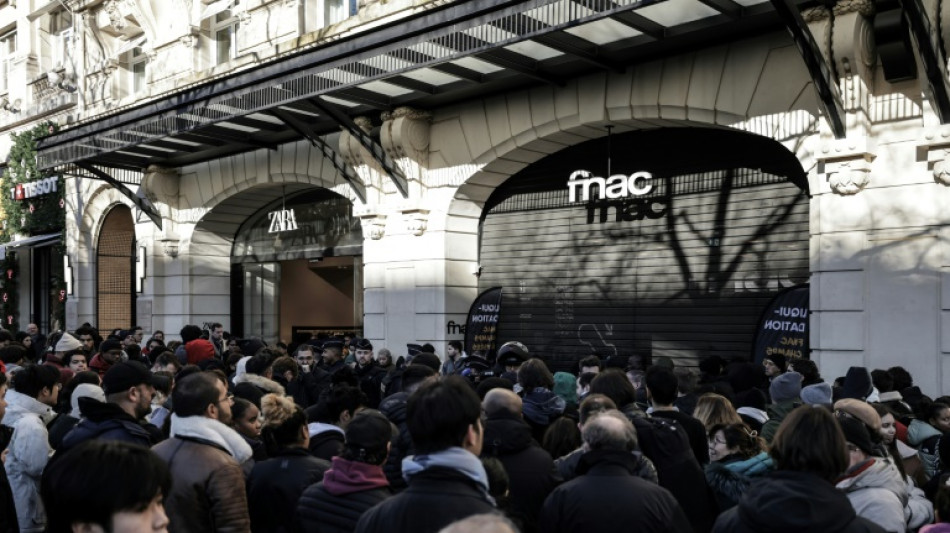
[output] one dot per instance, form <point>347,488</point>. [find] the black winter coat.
<point>318,511</point>
<point>394,408</point>
<point>307,387</point>
<point>105,421</point>
<point>327,445</point>
<point>792,502</point>
<point>371,379</point>
<point>609,497</point>
<point>275,486</point>
<point>435,498</point>
<point>694,430</point>
<point>567,466</point>
<point>531,472</point>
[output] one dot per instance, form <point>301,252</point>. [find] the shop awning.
<point>456,52</point>
<point>33,242</point>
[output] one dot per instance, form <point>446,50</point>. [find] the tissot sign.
<point>615,187</point>
<point>25,191</point>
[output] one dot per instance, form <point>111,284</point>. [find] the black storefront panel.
<point>682,271</point>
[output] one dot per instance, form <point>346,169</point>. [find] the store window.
<point>115,260</point>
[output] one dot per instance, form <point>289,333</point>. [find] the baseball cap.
<point>124,375</point>
<point>368,431</point>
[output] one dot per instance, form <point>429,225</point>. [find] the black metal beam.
<point>305,131</point>
<point>232,136</point>
<point>931,55</point>
<point>641,24</point>
<point>329,110</point>
<point>142,203</point>
<point>825,83</point>
<point>561,41</point>
<point>727,7</point>
<point>498,56</point>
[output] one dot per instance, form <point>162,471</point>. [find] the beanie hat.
<point>428,359</point>
<point>817,394</point>
<point>861,411</point>
<point>786,387</point>
<point>857,383</point>
<point>85,390</point>
<point>109,344</point>
<point>67,342</point>
<point>565,386</point>
<point>198,350</point>
<point>778,359</point>
<point>856,433</point>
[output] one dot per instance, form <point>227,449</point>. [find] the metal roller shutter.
<point>686,273</point>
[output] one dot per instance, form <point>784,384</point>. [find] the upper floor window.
<point>7,51</point>
<point>338,10</point>
<point>224,33</point>
<point>137,63</point>
<point>60,38</point>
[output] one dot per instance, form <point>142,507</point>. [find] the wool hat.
<point>67,342</point>
<point>125,375</point>
<point>198,350</point>
<point>413,349</point>
<point>778,359</point>
<point>109,344</point>
<point>856,433</point>
<point>520,351</point>
<point>817,394</point>
<point>565,386</point>
<point>430,360</point>
<point>85,390</point>
<point>786,387</point>
<point>857,383</point>
<point>361,344</point>
<point>861,411</point>
<point>368,432</point>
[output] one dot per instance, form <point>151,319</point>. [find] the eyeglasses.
<point>713,442</point>
<point>228,398</point>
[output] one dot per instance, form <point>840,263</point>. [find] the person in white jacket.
<point>29,409</point>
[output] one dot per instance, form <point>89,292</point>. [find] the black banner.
<point>783,327</point>
<point>481,328</point>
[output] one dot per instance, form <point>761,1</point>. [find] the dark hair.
<point>14,353</point>
<point>593,404</point>
<point>260,363</point>
<point>5,335</point>
<point>662,384</point>
<point>533,374</point>
<point>190,333</point>
<point>589,361</point>
<point>68,356</point>
<point>342,399</point>
<point>498,480</point>
<point>440,412</point>
<point>810,440</point>
<point>163,381</point>
<point>166,358</point>
<point>282,422</point>
<point>562,437</point>
<point>928,410</point>
<point>584,379</point>
<point>882,411</point>
<point>413,375</point>
<point>457,345</point>
<point>99,478</point>
<point>195,393</point>
<point>808,369</point>
<point>686,380</point>
<point>427,348</point>
<point>3,379</point>
<point>613,383</point>
<point>902,378</point>
<point>739,436</point>
<point>283,364</point>
<point>31,379</point>
<point>366,443</point>
<point>344,376</point>
<point>882,380</point>
<point>216,325</point>
<point>240,407</point>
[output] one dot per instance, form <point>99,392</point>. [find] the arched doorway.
<point>676,259</point>
<point>115,256</point>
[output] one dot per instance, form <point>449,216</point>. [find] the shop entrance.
<point>297,269</point>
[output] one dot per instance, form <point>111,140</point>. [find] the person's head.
<point>305,358</point>
<point>733,439</point>
<point>166,362</point>
<point>286,367</point>
<point>502,403</point>
<point>363,350</point>
<point>261,364</point>
<point>714,409</point>
<point>808,369</point>
<point>38,381</point>
<point>415,375</point>
<point>590,364</point>
<point>159,334</point>
<point>285,424</point>
<point>341,404</point>
<point>534,374</point>
<point>202,394</point>
<point>942,503</point>
<point>111,351</point>
<point>217,331</point>
<point>512,355</point>
<point>367,438</point>
<point>190,333</point>
<point>810,440</point>
<point>613,383</point>
<point>14,354</point>
<point>246,418</point>
<point>75,360</point>
<point>103,485</point>
<point>937,414</point>
<point>155,346</point>
<point>583,384</point>
<point>88,340</point>
<point>24,338</point>
<point>481,523</point>
<point>453,350</point>
<point>902,378</point>
<point>774,365</point>
<point>562,437</point>
<point>384,357</point>
<point>445,413</point>
<point>610,431</point>
<point>593,404</point>
<point>332,352</point>
<point>888,423</point>
<point>661,385</point>
<point>137,334</point>
<point>5,337</point>
<point>857,440</point>
<point>882,380</point>
<point>128,384</point>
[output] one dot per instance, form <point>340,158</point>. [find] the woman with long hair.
<point>736,457</point>
<point>714,410</point>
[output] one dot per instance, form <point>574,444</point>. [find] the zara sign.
<point>612,188</point>
<point>282,220</point>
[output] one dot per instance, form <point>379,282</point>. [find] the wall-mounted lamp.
<point>140,269</point>
<point>68,275</point>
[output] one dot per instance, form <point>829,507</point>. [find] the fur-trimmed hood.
<point>266,385</point>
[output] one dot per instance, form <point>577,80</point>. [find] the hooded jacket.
<point>29,453</point>
<point>926,439</point>
<point>730,478</point>
<point>275,485</point>
<point>105,421</point>
<point>877,492</point>
<point>394,408</point>
<point>540,408</point>
<point>336,504</point>
<point>267,386</point>
<point>791,502</point>
<point>326,440</point>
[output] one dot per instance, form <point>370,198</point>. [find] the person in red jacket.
<point>110,353</point>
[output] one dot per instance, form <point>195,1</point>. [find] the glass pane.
<point>335,11</point>
<point>223,42</point>
<point>261,305</point>
<point>138,76</point>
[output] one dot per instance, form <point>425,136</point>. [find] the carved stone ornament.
<point>113,9</point>
<point>942,172</point>
<point>847,181</point>
<point>374,226</point>
<point>417,221</point>
<point>189,41</point>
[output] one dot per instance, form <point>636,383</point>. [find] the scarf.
<point>209,429</point>
<point>454,458</point>
<point>347,477</point>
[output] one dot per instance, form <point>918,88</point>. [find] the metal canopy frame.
<point>931,55</point>
<point>142,203</point>
<point>481,47</point>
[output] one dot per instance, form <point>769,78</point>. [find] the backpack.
<point>664,442</point>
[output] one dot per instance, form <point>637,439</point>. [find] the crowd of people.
<point>332,435</point>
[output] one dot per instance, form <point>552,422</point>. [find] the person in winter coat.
<point>447,482</point>
<point>785,391</point>
<point>65,422</point>
<point>328,420</point>
<point>873,484</point>
<point>918,510</point>
<point>8,521</point>
<point>541,405</point>
<point>205,456</point>
<point>737,457</point>
<point>926,431</point>
<point>246,420</point>
<point>530,469</point>
<point>394,408</point>
<point>608,496</point>
<point>275,485</point>
<point>942,507</point>
<point>354,483</point>
<point>29,409</point>
<point>809,453</point>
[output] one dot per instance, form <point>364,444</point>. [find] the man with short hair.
<point>129,390</point>
<point>609,496</point>
<point>661,386</point>
<point>591,364</point>
<point>75,360</point>
<point>35,391</point>
<point>137,334</point>
<point>332,357</point>
<point>216,337</point>
<point>87,339</point>
<point>368,372</point>
<point>110,353</point>
<point>447,481</point>
<point>301,378</point>
<point>205,455</point>
<point>329,418</point>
